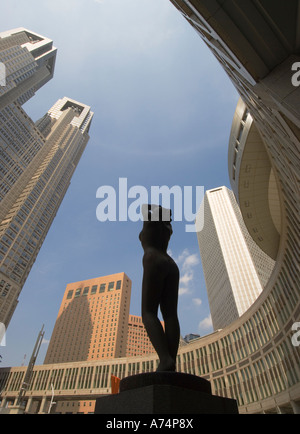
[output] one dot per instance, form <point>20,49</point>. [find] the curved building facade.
<point>255,181</point>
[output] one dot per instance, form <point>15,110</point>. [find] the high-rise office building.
<point>138,342</point>
<point>92,321</point>
<point>28,60</point>
<point>258,45</point>
<point>235,268</point>
<point>37,160</point>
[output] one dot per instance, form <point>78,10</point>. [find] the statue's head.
<point>157,228</point>
<point>156,213</point>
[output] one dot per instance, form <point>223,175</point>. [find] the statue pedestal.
<point>165,393</point>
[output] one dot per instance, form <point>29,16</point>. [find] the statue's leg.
<point>168,306</point>
<point>153,284</point>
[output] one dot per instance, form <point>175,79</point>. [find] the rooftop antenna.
<point>29,371</point>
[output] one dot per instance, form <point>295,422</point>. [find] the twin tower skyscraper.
<point>37,159</point>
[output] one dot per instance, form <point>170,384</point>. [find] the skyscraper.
<point>257,43</point>
<point>92,321</point>
<point>29,61</point>
<point>37,160</point>
<point>235,268</point>
<point>138,342</point>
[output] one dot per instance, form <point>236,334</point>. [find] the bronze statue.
<point>160,285</point>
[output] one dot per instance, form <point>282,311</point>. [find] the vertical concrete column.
<point>109,377</point>
<point>43,405</point>
<point>28,405</point>
<point>3,403</point>
<point>93,377</point>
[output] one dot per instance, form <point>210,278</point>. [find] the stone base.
<point>165,393</point>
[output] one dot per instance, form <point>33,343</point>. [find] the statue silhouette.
<point>160,285</point>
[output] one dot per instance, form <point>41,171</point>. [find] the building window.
<point>119,282</point>
<point>94,289</point>
<point>102,287</point>
<point>70,294</point>
<point>78,292</point>
<point>111,286</point>
<point>86,290</point>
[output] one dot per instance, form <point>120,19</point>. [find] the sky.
<point>163,113</point>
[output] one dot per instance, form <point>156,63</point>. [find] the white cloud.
<point>206,323</point>
<point>197,301</point>
<point>190,261</point>
<point>184,290</point>
<point>183,255</point>
<point>186,278</point>
<point>186,263</point>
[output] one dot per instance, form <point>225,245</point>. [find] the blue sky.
<point>163,112</point>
